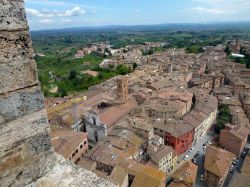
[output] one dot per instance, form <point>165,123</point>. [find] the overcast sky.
<point>48,14</point>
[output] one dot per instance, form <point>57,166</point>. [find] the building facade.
<point>182,143</point>
<point>95,128</point>
<point>234,138</point>
<point>70,144</point>
<point>217,164</point>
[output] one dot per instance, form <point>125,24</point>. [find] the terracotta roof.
<point>173,127</point>
<point>118,176</point>
<point>240,132</point>
<point>127,135</point>
<point>160,153</point>
<point>87,164</point>
<point>145,181</point>
<point>186,173</point>
<point>177,184</point>
<point>138,168</point>
<point>218,160</point>
<point>65,142</point>
<point>115,113</point>
<point>146,176</point>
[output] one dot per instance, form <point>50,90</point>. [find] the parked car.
<point>232,169</point>
<point>196,155</point>
<point>195,161</point>
<point>244,154</point>
<point>186,157</point>
<point>203,157</point>
<point>234,161</point>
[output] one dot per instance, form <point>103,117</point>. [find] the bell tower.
<point>122,87</point>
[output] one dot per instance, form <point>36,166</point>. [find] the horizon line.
<point>136,25</point>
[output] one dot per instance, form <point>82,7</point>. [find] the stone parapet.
<point>26,154</point>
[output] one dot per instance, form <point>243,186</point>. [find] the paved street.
<point>208,136</point>
<point>237,167</point>
<point>198,148</point>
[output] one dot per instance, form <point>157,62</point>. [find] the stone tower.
<point>122,87</point>
<point>237,46</point>
<point>26,153</point>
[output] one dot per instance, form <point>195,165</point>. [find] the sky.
<point>56,14</point>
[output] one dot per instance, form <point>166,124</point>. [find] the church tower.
<point>122,87</point>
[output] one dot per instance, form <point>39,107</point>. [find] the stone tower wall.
<point>26,154</point>
<point>122,87</point>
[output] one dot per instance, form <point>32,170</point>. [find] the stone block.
<point>15,46</point>
<point>31,131</point>
<point>16,75</point>
<point>12,15</point>
<point>65,173</point>
<point>21,168</point>
<point>20,103</point>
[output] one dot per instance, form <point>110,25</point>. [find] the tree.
<point>227,50</point>
<point>200,50</point>
<point>134,66</point>
<point>248,61</point>
<point>100,76</point>
<point>122,70</point>
<point>237,60</point>
<point>63,92</point>
<point>72,74</point>
<point>223,118</point>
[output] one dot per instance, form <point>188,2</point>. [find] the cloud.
<point>223,6</point>
<point>76,11</point>
<point>46,21</point>
<point>208,10</point>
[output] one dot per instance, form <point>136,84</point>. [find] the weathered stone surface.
<point>17,74</point>
<point>66,174</point>
<point>32,129</point>
<point>26,154</point>
<point>12,15</point>
<point>15,46</point>
<point>26,169</point>
<point>20,103</point>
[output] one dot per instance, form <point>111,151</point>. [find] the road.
<point>208,136</point>
<point>198,148</point>
<point>237,168</point>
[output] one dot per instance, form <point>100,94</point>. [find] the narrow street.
<point>237,167</point>
<point>198,148</point>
